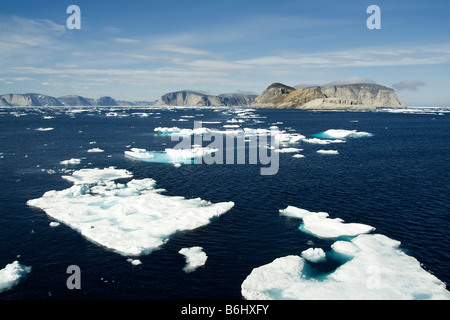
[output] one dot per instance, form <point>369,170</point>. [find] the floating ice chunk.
<point>298,155</point>
<point>11,275</point>
<point>92,176</point>
<point>134,262</point>
<point>131,219</point>
<point>378,270</point>
<point>176,156</point>
<point>322,141</point>
<point>71,162</point>
<point>320,225</point>
<point>288,150</point>
<point>45,129</point>
<point>195,257</point>
<point>54,224</point>
<point>95,150</point>
<point>343,134</point>
<point>314,255</point>
<point>328,151</point>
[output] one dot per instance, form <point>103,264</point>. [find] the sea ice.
<point>373,267</point>
<point>95,150</point>
<point>328,151</point>
<point>71,162</point>
<point>45,129</point>
<point>132,218</point>
<point>11,275</point>
<point>175,156</point>
<point>377,270</point>
<point>195,257</point>
<point>343,134</point>
<point>320,225</point>
<point>322,141</point>
<point>314,255</point>
<point>288,150</point>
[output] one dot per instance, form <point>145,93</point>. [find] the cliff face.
<point>360,96</point>
<point>195,99</point>
<point>39,100</point>
<point>29,99</point>
<point>74,101</point>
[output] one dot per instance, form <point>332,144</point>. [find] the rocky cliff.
<point>40,100</point>
<point>361,96</point>
<point>74,101</point>
<point>196,99</point>
<point>29,99</point>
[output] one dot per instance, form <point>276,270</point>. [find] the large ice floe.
<point>175,156</point>
<point>372,267</point>
<point>130,218</point>
<point>11,274</point>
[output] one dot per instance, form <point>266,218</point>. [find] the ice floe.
<point>372,267</point>
<point>314,255</point>
<point>343,134</point>
<point>45,129</point>
<point>195,257</point>
<point>328,151</point>
<point>132,218</point>
<point>93,150</point>
<point>12,274</point>
<point>322,141</point>
<point>72,161</point>
<point>320,225</point>
<point>170,155</point>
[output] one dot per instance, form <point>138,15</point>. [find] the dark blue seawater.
<point>396,181</point>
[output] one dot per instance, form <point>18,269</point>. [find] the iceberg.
<point>95,150</point>
<point>45,129</point>
<point>12,274</point>
<point>373,268</point>
<point>131,219</point>
<point>195,257</point>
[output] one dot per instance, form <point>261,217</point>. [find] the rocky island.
<point>196,99</point>
<point>360,96</point>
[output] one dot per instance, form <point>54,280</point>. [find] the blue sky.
<point>139,50</point>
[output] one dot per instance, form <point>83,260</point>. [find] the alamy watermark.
<point>233,147</point>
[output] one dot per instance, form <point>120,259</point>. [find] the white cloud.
<point>408,85</point>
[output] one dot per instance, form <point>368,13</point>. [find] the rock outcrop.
<point>196,99</point>
<point>361,96</point>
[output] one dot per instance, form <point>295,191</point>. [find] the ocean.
<point>395,180</point>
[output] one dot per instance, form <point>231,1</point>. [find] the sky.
<point>139,50</point>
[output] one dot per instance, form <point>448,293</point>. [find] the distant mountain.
<point>196,99</point>
<point>28,99</point>
<point>360,96</point>
<point>74,101</point>
<point>40,100</point>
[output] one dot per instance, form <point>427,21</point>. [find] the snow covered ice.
<point>320,225</point>
<point>343,134</point>
<point>132,218</point>
<point>12,274</point>
<point>373,267</point>
<point>195,257</point>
